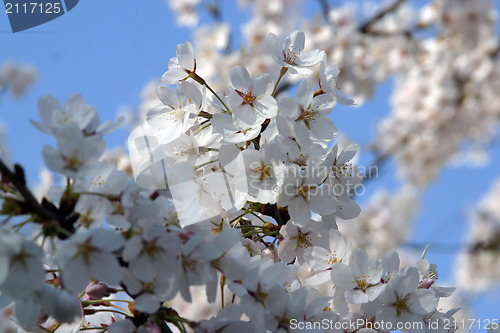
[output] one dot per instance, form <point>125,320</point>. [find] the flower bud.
<point>426,283</point>
<point>96,291</point>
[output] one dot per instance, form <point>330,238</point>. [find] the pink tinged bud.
<point>426,283</point>
<point>96,291</point>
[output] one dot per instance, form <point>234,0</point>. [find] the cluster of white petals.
<point>442,56</point>
<point>221,203</point>
<point>235,210</point>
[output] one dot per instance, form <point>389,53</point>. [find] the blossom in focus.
<point>180,67</point>
<point>309,115</point>
<point>291,55</point>
<point>360,279</point>
<point>250,100</point>
<point>403,302</point>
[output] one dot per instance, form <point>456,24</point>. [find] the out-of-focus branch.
<point>367,26</point>
<point>18,181</point>
<point>325,9</point>
<point>55,221</point>
<point>379,161</point>
<point>214,9</point>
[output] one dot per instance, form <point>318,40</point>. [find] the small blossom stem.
<point>68,185</point>
<point>255,232</point>
<point>120,308</point>
<point>248,210</point>
<point>43,241</point>
<point>248,226</point>
<point>282,73</point>
<point>201,128</point>
<point>63,231</point>
<point>257,216</point>
<point>201,81</point>
<point>6,220</point>
<point>205,115</point>
<point>107,196</point>
<point>38,235</point>
<point>18,226</point>
<point>203,164</point>
<point>113,311</point>
<point>265,235</point>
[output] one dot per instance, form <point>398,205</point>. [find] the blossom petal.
<point>240,78</point>
<point>185,55</point>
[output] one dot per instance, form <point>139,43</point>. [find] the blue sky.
<point>108,50</point>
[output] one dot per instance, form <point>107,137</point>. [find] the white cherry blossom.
<point>292,54</point>
<point>250,101</point>
<point>180,67</point>
<point>88,254</point>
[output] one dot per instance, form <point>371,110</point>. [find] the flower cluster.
<point>439,63</point>
<point>443,57</point>
<point>222,198</point>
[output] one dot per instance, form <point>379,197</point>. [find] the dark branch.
<point>325,9</point>
<point>18,181</point>
<point>367,26</point>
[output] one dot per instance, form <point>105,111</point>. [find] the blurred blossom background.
<point>424,75</point>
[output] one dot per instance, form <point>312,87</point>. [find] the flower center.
<point>263,171</point>
<point>63,117</point>
<point>332,259</point>
<point>361,281</point>
<point>73,162</point>
<point>343,170</point>
<point>403,304</point>
<point>84,250</point>
<point>151,249</point>
<point>97,181</point>
<point>291,54</point>
<point>302,240</point>
<point>248,97</point>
